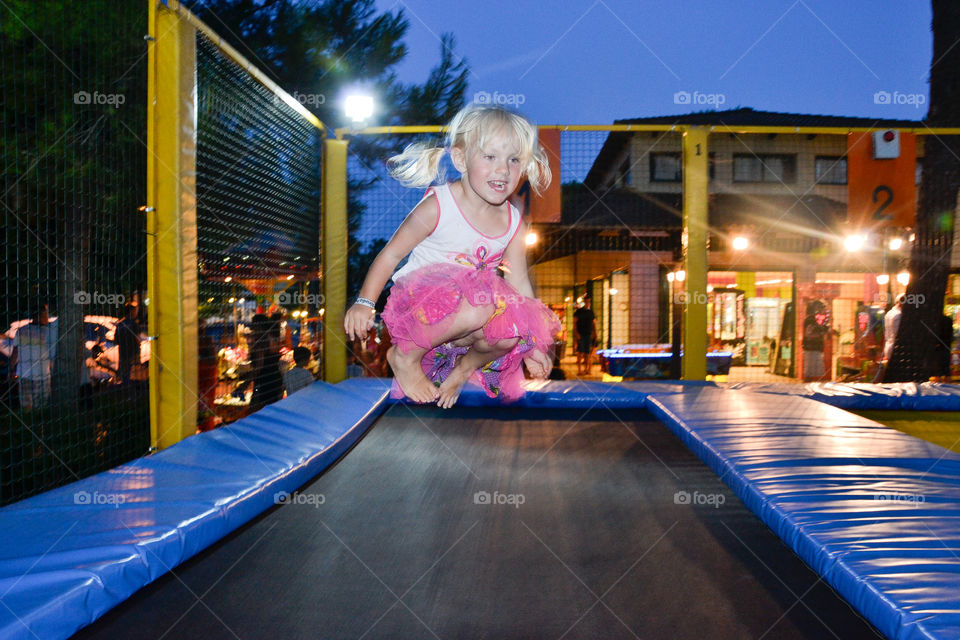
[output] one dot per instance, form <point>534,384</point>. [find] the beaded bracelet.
<point>365,302</point>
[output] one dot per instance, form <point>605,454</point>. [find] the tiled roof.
<point>749,117</point>
<point>616,141</point>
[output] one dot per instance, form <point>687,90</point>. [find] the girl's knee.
<point>476,316</point>
<point>507,344</point>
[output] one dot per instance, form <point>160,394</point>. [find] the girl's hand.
<point>358,321</point>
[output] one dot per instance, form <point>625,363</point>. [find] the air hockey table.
<point>653,361</point>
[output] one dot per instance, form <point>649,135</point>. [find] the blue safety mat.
<point>69,555</point>
<point>902,396</point>
<point>874,511</point>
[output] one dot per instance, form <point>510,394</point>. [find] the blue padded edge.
<point>574,394</point>
<point>822,479</point>
<point>904,396</point>
<point>67,556</point>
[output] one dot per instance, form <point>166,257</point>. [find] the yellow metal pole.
<point>172,246</point>
<point>695,225</point>
<point>680,128</point>
<point>153,367</point>
<point>334,255</point>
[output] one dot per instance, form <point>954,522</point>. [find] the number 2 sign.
<point>881,192</point>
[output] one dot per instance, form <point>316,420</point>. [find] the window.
<point>830,169</point>
<point>665,167</point>
<point>624,172</point>
<point>764,168</point>
<point>668,167</point>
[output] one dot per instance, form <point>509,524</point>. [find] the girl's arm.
<point>515,256</point>
<point>412,231</point>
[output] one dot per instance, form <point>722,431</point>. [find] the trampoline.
<point>586,510</point>
<point>493,522</point>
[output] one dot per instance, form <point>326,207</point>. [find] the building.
<point>779,221</point>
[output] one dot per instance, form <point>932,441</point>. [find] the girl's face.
<point>492,172</point>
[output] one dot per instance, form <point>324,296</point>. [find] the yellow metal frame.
<point>680,128</point>
<point>172,248</point>
<point>333,219</point>
<point>695,262</point>
<point>171,210</point>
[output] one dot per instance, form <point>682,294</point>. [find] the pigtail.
<point>538,170</point>
<point>418,165</point>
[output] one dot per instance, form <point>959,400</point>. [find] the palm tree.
<point>919,332</point>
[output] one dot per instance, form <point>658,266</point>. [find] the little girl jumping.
<point>450,313</point>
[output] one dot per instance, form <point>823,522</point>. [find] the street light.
<point>853,243</point>
<point>740,243</point>
<point>358,107</point>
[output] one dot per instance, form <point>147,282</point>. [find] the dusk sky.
<point>593,62</point>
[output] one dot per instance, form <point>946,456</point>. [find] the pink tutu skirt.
<point>423,304</point>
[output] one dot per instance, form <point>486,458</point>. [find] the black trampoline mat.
<point>498,523</point>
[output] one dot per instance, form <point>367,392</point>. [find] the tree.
<point>929,267</point>
<point>315,51</point>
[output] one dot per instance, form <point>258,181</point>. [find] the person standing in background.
<point>265,359</point>
<point>34,349</point>
<point>128,342</point>
<point>815,332</point>
<point>891,324</point>
<point>584,335</point>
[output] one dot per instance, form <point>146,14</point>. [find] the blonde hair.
<point>419,164</point>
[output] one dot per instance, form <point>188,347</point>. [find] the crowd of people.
<point>28,356</point>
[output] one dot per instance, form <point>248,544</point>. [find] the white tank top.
<point>455,240</point>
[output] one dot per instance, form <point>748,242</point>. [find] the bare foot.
<point>406,368</point>
<point>538,364</point>
<point>450,388</point>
